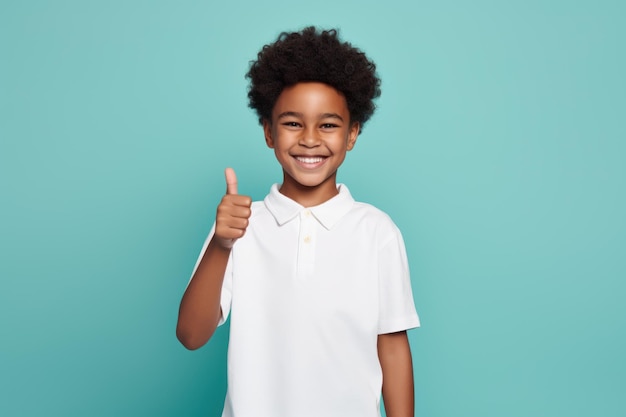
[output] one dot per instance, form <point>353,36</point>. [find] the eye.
<point>291,124</point>
<point>329,126</point>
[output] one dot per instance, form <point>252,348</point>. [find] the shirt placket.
<point>306,245</point>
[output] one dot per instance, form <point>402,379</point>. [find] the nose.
<point>310,138</point>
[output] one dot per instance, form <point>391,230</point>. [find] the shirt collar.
<point>328,213</point>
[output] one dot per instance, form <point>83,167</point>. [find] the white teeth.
<point>310,159</point>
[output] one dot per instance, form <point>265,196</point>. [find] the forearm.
<point>199,311</point>
<point>394,354</point>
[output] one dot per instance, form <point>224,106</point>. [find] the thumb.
<point>231,181</point>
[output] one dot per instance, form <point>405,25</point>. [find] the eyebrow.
<point>300,115</point>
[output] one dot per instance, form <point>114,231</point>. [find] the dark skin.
<point>394,353</point>
<point>310,133</point>
<point>199,311</point>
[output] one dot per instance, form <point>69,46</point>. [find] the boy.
<point>316,284</point>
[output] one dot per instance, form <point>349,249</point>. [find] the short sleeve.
<point>227,285</point>
<point>396,306</point>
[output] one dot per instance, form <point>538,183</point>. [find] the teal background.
<point>498,148</point>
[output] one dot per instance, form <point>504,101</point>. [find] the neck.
<point>309,196</point>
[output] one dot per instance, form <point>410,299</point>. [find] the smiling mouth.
<point>310,161</point>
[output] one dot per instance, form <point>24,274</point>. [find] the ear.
<point>267,131</point>
<point>353,134</point>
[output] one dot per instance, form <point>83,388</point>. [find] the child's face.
<point>310,133</point>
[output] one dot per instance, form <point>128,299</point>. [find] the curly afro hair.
<point>310,55</point>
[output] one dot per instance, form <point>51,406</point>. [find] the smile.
<point>310,161</point>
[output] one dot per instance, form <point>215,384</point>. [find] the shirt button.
<point>307,213</point>
<point>307,239</point>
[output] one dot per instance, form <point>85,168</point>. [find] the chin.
<point>310,184</point>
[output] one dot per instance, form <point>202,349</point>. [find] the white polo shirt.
<point>308,291</point>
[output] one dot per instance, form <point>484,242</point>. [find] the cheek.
<point>279,146</point>
<point>281,154</point>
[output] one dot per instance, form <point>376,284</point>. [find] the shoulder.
<point>372,213</point>
<point>259,210</point>
<point>380,224</point>
<point>256,205</point>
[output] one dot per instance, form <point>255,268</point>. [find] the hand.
<point>233,213</point>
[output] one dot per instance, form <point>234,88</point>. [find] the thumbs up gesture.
<point>233,213</point>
